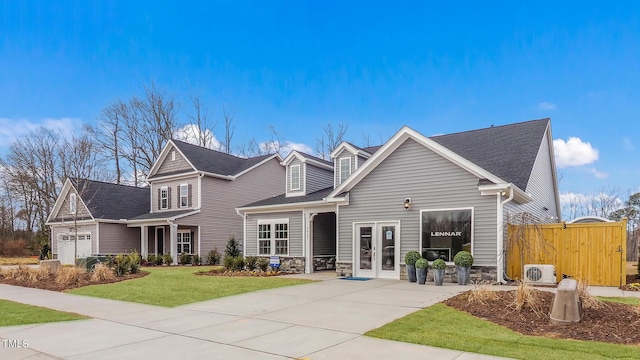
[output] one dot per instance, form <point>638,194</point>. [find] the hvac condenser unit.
<point>540,274</point>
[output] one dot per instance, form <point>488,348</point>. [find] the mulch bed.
<point>85,280</point>
<point>243,273</point>
<point>612,322</point>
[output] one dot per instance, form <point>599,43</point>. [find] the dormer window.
<point>72,203</point>
<point>295,177</point>
<point>345,169</point>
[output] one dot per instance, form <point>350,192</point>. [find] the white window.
<point>164,198</point>
<point>184,241</point>
<point>72,203</point>
<point>184,195</point>
<point>173,155</point>
<point>69,237</point>
<point>273,237</point>
<point>295,177</point>
<point>345,168</point>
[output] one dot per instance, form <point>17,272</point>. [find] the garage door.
<point>66,248</point>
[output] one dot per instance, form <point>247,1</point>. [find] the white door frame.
<point>377,250</point>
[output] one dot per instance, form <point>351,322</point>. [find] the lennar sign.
<point>446,233</point>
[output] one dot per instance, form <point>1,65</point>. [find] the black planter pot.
<point>463,274</point>
<point>422,276</point>
<point>438,276</point>
<point>411,273</point>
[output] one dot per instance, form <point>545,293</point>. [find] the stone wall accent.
<point>344,268</point>
<point>324,263</point>
<point>292,264</point>
<point>478,274</point>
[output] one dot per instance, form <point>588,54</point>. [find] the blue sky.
<point>376,66</point>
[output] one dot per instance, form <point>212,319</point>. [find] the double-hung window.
<point>184,242</point>
<point>345,169</point>
<point>273,237</point>
<point>295,177</point>
<point>164,198</point>
<point>184,195</point>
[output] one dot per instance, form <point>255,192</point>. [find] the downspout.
<point>500,218</point>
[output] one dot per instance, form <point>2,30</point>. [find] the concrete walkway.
<point>323,320</point>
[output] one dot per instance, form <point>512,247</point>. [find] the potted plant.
<point>421,270</point>
<point>410,260</point>
<point>463,261</point>
<point>438,267</point>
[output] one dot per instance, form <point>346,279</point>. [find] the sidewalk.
<point>323,320</point>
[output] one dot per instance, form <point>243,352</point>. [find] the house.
<point>363,211</point>
<point>189,205</point>
<point>96,213</point>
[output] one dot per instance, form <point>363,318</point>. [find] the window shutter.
<point>191,245</point>
<point>190,203</point>
<point>159,200</point>
<point>178,197</point>
<point>169,197</point>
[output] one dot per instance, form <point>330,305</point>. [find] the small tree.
<point>233,248</point>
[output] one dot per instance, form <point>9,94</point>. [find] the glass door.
<point>377,250</point>
<point>388,245</point>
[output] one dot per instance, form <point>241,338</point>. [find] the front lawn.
<point>13,313</point>
<point>442,326</point>
<point>175,286</point>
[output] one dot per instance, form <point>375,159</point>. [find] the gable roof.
<point>211,161</point>
<point>107,201</point>
<point>499,154</point>
<point>507,151</point>
<point>304,157</point>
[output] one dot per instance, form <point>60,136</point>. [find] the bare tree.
<point>229,129</point>
<point>330,139</point>
<point>109,132</point>
<point>201,129</point>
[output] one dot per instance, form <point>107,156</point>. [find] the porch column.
<point>144,241</point>
<point>173,242</point>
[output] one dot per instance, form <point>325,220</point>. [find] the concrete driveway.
<point>323,320</point>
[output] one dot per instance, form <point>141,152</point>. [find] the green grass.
<point>442,326</point>
<point>621,300</point>
<point>175,286</point>
<point>13,313</point>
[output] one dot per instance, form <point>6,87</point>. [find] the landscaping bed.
<point>603,321</point>
<point>241,273</point>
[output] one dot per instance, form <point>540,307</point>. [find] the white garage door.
<point>66,247</point>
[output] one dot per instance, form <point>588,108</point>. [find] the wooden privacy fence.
<point>594,252</point>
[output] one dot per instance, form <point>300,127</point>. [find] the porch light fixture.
<point>407,203</point>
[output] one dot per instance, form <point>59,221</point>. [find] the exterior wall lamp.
<point>407,203</point>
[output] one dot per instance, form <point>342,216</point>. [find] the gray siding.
<point>81,208</point>
<point>295,231</point>
<point>64,229</point>
<point>324,234</point>
<point>317,178</point>
<point>174,196</point>
<point>118,238</point>
<point>432,182</point>
<point>302,177</point>
<point>218,218</point>
<point>172,166</point>
<point>361,160</point>
<point>336,164</point>
<point>541,188</point>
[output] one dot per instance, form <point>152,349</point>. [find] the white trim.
<point>294,154</point>
<point>398,139</point>
<point>199,237</point>
<point>450,209</point>
<point>184,231</point>
<point>174,176</point>
<point>164,220</point>
<point>292,206</point>
<point>272,235</point>
<point>180,196</point>
<point>97,238</point>
<point>163,155</point>
<point>164,189</point>
<point>299,185</point>
<point>350,148</point>
<point>376,271</point>
<point>340,161</point>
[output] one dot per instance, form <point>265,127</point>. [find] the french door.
<point>377,249</point>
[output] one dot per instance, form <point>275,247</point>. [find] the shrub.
<point>228,262</point>
<point>196,260</point>
<point>159,259</point>
<point>439,264</point>
<point>121,264</point>
<point>69,276</point>
<point>233,247</point>
<point>213,258</point>
<point>45,252</point>
<point>167,259</point>
<point>102,273</point>
<point>251,262</point>
<point>135,260</point>
<point>482,294</point>
<point>151,259</point>
<point>263,264</point>
<point>184,259</point>
<point>411,257</point>
<point>463,258</point>
<point>422,263</point>
<point>238,263</point>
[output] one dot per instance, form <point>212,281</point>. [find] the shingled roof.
<point>111,201</point>
<point>216,162</point>
<point>283,199</point>
<point>507,151</point>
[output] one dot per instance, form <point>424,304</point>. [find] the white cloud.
<point>574,152</point>
<point>12,129</point>
<point>545,105</point>
<point>598,174</point>
<point>193,135</point>
<point>288,146</point>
